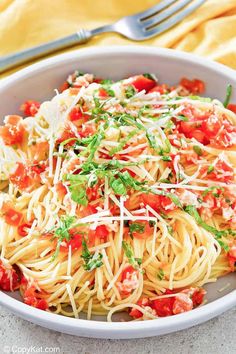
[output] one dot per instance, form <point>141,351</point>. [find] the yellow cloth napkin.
<point>209,31</point>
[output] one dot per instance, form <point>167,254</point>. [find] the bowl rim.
<point>118,329</point>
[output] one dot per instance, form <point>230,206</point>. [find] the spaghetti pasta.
<point>118,196</point>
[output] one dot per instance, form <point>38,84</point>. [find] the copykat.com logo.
<point>31,349</point>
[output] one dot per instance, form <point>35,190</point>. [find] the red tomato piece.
<point>66,135</point>
<point>182,303</point>
<point>75,242</point>
<point>20,177</point>
<point>11,216</point>
<point>198,296</point>
<point>194,86</point>
<point>232,107</point>
<point>30,108</point>
<point>93,193</point>
<point>9,279</point>
<point>13,131</point>
<point>223,171</point>
<point>87,130</point>
<point>128,270</point>
<point>31,299</point>
<point>101,232</point>
<point>22,229</point>
<point>162,89</point>
<point>78,113</point>
<point>152,200</point>
<point>142,302</point>
<point>164,306</point>
<point>64,86</point>
<point>129,280</point>
<point>61,189</point>
<point>143,83</point>
<point>211,127</point>
<point>232,256</point>
<point>103,93</point>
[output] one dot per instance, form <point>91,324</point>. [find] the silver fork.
<point>141,26</point>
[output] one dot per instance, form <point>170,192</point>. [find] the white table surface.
<point>217,336</point>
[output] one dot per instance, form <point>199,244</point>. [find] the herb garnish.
<point>191,210</point>
<point>135,262</point>
<point>130,91</point>
<point>160,274</point>
<point>91,262</point>
<point>136,227</point>
<point>228,95</point>
<point>198,150</point>
<point>62,232</point>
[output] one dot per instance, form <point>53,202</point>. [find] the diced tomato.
<point>135,313</point>
<point>103,93</point>
<point>9,279</point>
<point>198,296</point>
<point>93,193</point>
<point>211,126</point>
<point>75,114</point>
<point>75,242</point>
<point>182,303</point>
<point>129,280</point>
<point>31,298</point>
<point>13,131</point>
<point>88,210</point>
<point>232,107</point>
<point>25,176</point>
<point>143,83</point>
<point>20,177</point>
<point>61,189</point>
<point>66,135</point>
<point>162,89</point>
<point>142,302</point>
<point>38,167</point>
<point>222,171</point>
<point>102,232</point>
<point>39,151</point>
<point>87,130</point>
<point>148,231</point>
<point>11,216</point>
<point>232,256</point>
<point>78,113</point>
<point>64,86</point>
<point>152,200</point>
<point>30,108</point>
<point>128,270</point>
<point>22,229</point>
<point>158,202</point>
<point>199,136</point>
<point>164,306</point>
<point>194,86</point>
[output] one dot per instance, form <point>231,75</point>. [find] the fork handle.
<point>22,57</point>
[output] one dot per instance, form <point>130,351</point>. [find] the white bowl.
<point>38,82</point>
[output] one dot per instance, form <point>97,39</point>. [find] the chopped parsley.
<point>198,150</point>
<point>135,262</point>
<point>130,91</point>
<point>62,231</point>
<point>77,188</point>
<point>228,95</point>
<point>91,262</point>
<point>191,210</point>
<point>160,274</point>
<point>136,227</point>
<point>210,169</point>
